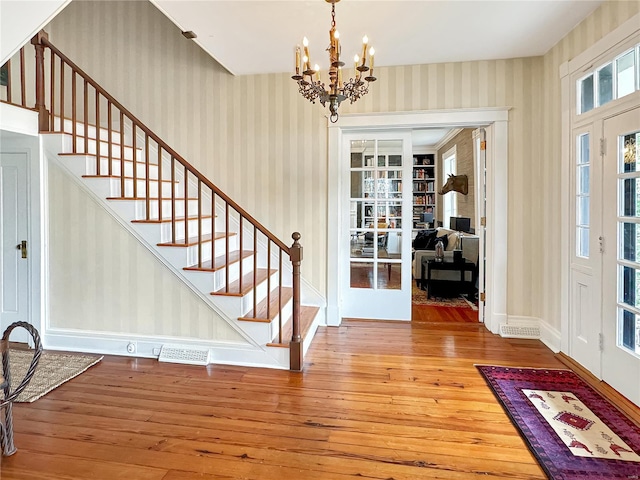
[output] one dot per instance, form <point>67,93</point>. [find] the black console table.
<point>452,287</point>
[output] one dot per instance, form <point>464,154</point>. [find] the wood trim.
<point>615,398</point>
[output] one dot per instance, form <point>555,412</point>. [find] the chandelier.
<point>311,87</point>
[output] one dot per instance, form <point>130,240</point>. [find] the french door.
<point>376,220</point>
<point>621,257</point>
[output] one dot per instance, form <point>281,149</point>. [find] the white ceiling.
<point>259,36</point>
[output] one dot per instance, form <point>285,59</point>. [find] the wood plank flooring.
<point>377,400</point>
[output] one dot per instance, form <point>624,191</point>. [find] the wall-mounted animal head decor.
<point>456,183</point>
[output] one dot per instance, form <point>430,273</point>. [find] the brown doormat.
<point>53,370</point>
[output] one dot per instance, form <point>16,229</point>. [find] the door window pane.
<point>389,277</point>
<point>629,293</point>
<point>583,180</point>
<point>586,94</point>
<point>582,241</point>
<point>630,155</point>
<point>605,84</point>
<point>625,66</point>
<point>630,198</point>
<point>582,198</point>
<point>629,330</point>
<point>630,242</point>
<point>361,275</point>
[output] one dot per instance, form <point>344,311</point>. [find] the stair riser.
<point>104,133</point>
<point>219,279</point>
<point>116,151</point>
<point>264,335</point>
<point>141,190</point>
<point>166,208</point>
<point>189,256</point>
<point>192,226</point>
<point>212,281</point>
<point>260,291</point>
<point>141,173</point>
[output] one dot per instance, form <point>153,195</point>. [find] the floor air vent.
<point>189,354</point>
<point>516,331</point>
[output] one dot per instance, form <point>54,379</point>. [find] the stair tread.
<point>261,308</point>
<point>192,241</point>
<point>307,315</point>
<point>247,283</point>
<point>169,220</point>
<point>220,261</point>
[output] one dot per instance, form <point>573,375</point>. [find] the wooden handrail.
<point>165,146</point>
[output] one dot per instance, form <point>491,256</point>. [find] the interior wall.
<point>266,146</point>
<point>102,279</point>
<point>465,165</point>
<point>605,19</point>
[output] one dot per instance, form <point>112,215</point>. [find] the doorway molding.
<point>497,193</point>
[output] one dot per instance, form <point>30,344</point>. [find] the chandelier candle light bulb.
<point>305,44</point>
<point>314,89</point>
<point>365,41</point>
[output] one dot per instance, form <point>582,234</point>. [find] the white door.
<point>621,259</point>
<point>376,220</point>
<point>586,258</point>
<point>14,282</point>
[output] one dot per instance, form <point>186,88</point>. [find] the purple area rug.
<point>573,432</point>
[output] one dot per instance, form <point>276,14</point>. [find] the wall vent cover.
<point>188,354</point>
<point>517,331</point>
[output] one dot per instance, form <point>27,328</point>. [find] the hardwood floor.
<point>377,400</point>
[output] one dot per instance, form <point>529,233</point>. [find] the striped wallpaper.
<point>266,147</point>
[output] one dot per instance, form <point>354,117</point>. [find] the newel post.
<point>43,114</point>
<point>295,347</point>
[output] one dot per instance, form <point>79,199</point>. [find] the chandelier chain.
<point>333,15</point>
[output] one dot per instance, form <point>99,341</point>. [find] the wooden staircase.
<point>246,274</point>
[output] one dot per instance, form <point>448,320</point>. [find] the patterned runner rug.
<point>573,432</point>
<point>54,369</point>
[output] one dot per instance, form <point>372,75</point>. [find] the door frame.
<point>497,194</point>
<point>22,137</point>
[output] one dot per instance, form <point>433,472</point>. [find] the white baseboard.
<point>550,336</point>
<point>224,353</point>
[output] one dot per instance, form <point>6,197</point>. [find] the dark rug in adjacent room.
<point>574,433</point>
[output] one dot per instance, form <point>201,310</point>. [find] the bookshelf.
<point>424,188</point>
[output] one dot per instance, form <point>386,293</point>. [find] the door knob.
<point>23,247</point>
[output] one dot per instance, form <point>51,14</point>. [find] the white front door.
<point>621,262</point>
<point>14,281</point>
<point>376,220</point>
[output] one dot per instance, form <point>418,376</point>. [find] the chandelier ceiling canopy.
<point>312,87</point>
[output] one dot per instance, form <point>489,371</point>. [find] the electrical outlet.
<point>132,347</point>
<point>156,351</point>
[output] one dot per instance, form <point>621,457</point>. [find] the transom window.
<point>615,79</point>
